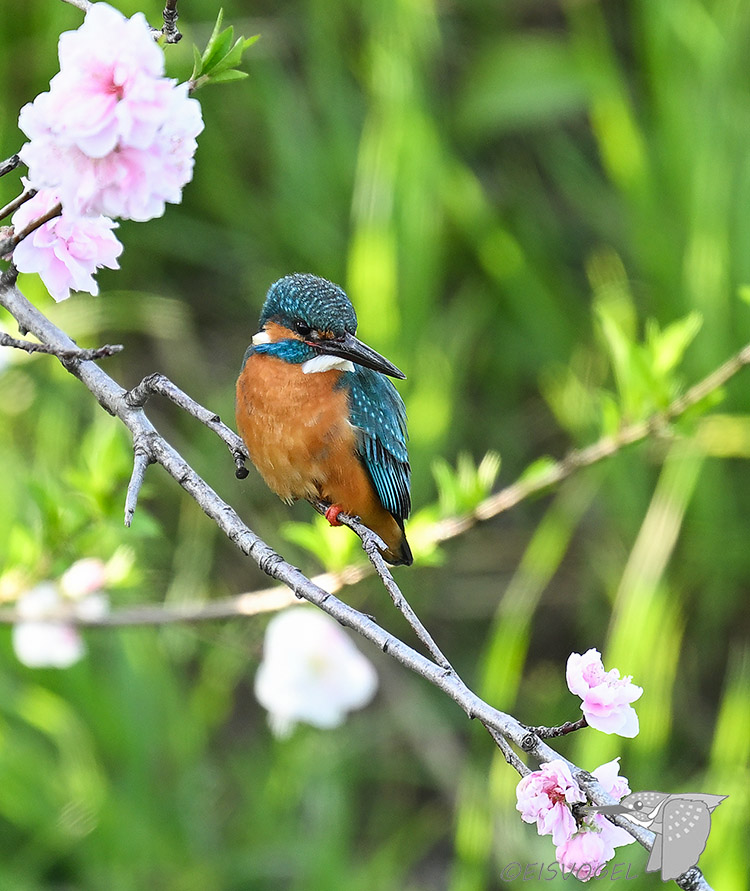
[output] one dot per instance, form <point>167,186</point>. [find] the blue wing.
<point>378,413</point>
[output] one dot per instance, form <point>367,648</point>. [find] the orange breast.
<point>297,432</point>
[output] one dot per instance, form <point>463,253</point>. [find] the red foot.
<point>332,514</point>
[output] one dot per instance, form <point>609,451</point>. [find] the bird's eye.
<point>301,328</point>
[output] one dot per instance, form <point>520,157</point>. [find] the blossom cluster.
<point>112,138</point>
<point>546,796</point>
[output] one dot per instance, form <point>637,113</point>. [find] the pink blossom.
<point>111,87</point>
<point>84,577</point>
<point>584,854</point>
<point>112,135</point>
<point>67,250</point>
<point>594,842</point>
<point>618,788</point>
<point>609,778</point>
<point>545,795</point>
<point>606,696</point>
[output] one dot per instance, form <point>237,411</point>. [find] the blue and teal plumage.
<point>316,301</point>
<point>294,351</point>
<point>378,413</point>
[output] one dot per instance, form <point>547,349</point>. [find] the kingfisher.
<point>320,419</point>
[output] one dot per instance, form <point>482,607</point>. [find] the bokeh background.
<point>541,211</point>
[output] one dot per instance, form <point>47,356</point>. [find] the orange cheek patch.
<point>278,332</point>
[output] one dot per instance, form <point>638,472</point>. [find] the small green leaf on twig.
<point>218,62</point>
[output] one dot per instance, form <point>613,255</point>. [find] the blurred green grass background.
<point>508,192</point>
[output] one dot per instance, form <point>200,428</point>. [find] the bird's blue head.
<point>306,303</point>
<point>310,321</point>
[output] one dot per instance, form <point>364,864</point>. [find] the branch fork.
<point>159,384</point>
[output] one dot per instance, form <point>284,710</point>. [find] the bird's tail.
<point>399,555</point>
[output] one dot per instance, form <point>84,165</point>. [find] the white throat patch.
<point>326,363</point>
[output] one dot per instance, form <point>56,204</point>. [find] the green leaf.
<point>232,58</point>
<point>197,63</point>
<point>216,35</point>
<point>220,49</point>
<point>669,345</point>
<point>619,346</point>
<point>220,59</point>
<point>226,77</point>
<point>489,468</point>
<point>447,486</point>
<point>611,417</point>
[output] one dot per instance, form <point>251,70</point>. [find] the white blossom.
<point>311,672</point>
<point>40,642</point>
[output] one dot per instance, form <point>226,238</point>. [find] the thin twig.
<point>83,5</point>
<point>609,445</point>
<point>7,244</point>
<point>170,17</point>
<point>159,383</point>
<point>372,546</point>
<point>508,753</point>
<point>9,164</point>
<point>141,460</point>
<point>153,615</point>
<point>13,205</point>
<point>65,355</point>
<point>269,600</point>
<point>562,730</point>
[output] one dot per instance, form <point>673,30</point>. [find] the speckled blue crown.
<point>312,300</point>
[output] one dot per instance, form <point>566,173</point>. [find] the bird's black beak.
<point>348,347</point>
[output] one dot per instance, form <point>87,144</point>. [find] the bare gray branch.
<point>170,17</point>
<point>373,546</point>
<point>7,244</point>
<point>158,383</point>
<point>141,460</point>
<point>65,355</point>
<point>9,164</point>
<point>83,5</point>
<point>12,206</point>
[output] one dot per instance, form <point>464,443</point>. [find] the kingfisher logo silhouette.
<point>681,824</point>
